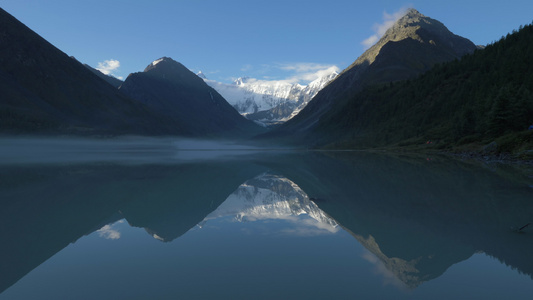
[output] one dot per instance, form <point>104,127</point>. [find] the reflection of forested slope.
<point>419,217</point>
<point>44,209</point>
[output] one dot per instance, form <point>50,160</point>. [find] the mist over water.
<point>132,150</point>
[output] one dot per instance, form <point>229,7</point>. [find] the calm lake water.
<point>160,219</point>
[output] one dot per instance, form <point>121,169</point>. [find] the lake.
<point>169,219</point>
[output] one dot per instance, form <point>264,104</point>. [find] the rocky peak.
<point>409,25</point>
<point>416,26</point>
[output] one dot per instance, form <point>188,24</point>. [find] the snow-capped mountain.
<point>268,102</point>
<point>273,197</point>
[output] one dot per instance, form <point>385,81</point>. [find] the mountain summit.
<point>170,70</point>
<point>410,47</point>
<point>416,27</point>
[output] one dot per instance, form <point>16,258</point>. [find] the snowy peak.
<point>241,81</point>
<point>201,75</point>
<point>320,83</point>
<point>270,102</point>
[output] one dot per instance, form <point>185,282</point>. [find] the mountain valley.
<point>398,93</point>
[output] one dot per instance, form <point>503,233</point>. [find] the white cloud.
<point>371,40</point>
<point>304,73</point>
<point>381,28</point>
<point>109,67</point>
<point>303,67</point>
<point>301,73</point>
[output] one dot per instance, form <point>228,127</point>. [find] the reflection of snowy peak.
<point>269,102</point>
<point>272,197</point>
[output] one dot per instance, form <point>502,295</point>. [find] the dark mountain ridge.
<point>45,91</point>
<point>172,90</point>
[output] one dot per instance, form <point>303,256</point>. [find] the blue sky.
<point>228,39</point>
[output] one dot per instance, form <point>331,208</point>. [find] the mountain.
<point>109,79</point>
<point>45,91</point>
<point>269,102</point>
<point>410,47</point>
<point>483,99</point>
<point>170,89</point>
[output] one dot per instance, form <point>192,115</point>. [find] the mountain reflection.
<point>416,217</point>
<point>270,196</point>
<point>44,208</point>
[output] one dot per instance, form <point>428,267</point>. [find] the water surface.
<point>159,220</point>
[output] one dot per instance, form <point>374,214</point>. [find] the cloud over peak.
<point>381,28</point>
<point>304,73</point>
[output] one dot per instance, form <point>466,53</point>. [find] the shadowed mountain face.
<point>410,47</point>
<point>170,89</point>
<point>45,91</point>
